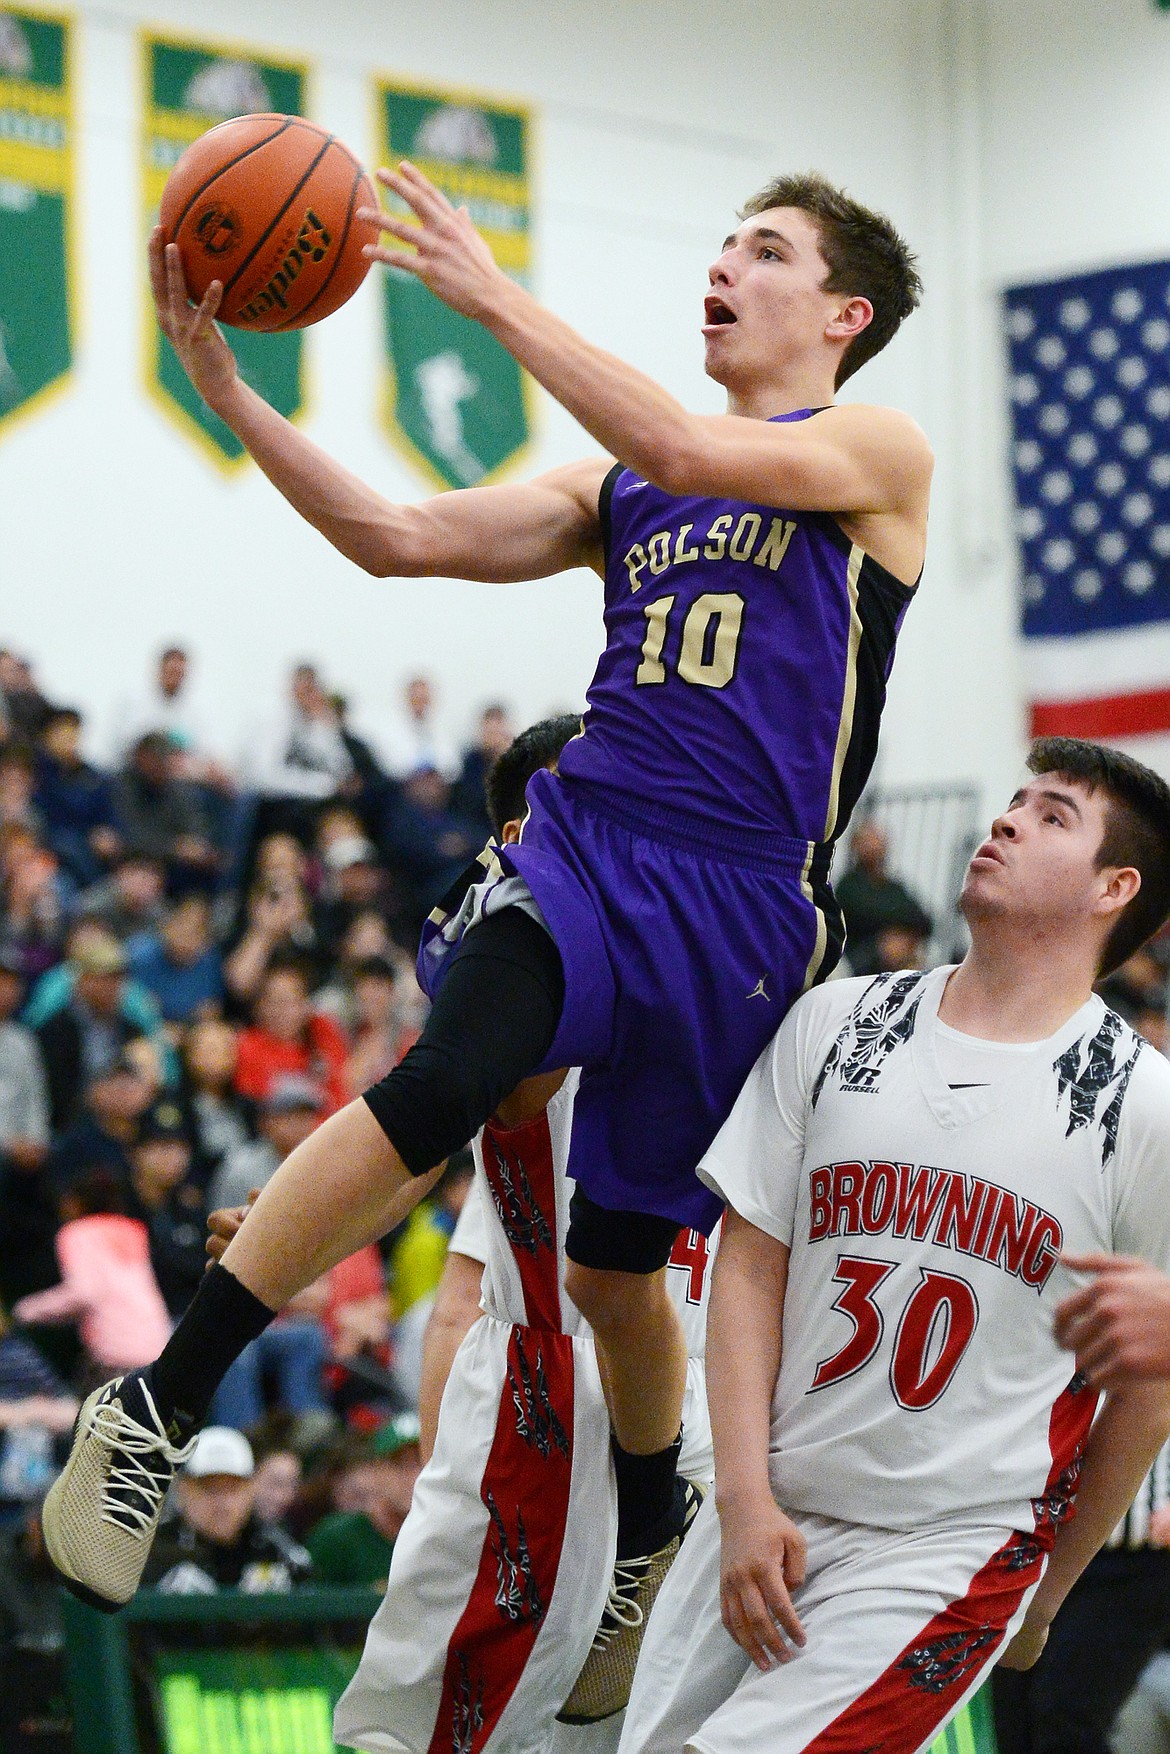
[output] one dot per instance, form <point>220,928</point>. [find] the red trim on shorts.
<point>518,1162</point>
<point>1068,1427</point>
<point>525,1487</point>
<point>905,1706</point>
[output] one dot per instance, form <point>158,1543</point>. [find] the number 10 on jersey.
<point>710,640</point>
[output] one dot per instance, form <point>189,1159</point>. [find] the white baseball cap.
<point>222,1450</point>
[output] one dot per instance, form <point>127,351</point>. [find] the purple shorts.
<point>683,947</point>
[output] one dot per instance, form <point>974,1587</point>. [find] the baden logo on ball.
<point>311,245</point>
<point>266,204</point>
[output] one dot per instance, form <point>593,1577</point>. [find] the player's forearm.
<point>630,416</point>
<point>744,1326</point>
<point>1127,1435</point>
<point>360,524</point>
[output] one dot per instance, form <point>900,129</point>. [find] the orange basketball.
<point>267,205</point>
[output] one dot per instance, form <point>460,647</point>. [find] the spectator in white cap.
<point>215,1540</point>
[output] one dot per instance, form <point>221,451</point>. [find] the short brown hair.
<point>863,251</point>
<point>1137,831</point>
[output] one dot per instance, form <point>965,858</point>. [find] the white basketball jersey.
<point>507,1223</point>
<point>520,1175</point>
<point>925,1212</point>
<point>501,1571</point>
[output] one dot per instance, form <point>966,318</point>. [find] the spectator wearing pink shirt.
<point>107,1284</point>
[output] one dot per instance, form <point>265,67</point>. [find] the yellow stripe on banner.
<point>512,250</point>
<point>34,135</point>
<point>46,171</point>
<point>179,126</point>
<point>33,100</point>
<point>470,182</point>
<point>168,135</point>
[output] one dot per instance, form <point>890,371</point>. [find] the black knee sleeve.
<point>617,1242</point>
<point>492,1023</point>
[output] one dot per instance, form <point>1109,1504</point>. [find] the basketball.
<point>266,204</point>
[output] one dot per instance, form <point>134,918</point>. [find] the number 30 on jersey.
<point>934,1330</point>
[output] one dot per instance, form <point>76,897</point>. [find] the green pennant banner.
<point>37,298</point>
<point>189,87</point>
<point>453,399</point>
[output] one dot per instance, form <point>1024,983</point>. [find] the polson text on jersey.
<point>942,1206</point>
<point>744,539</point>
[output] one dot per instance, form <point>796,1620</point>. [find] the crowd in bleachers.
<point>200,960</point>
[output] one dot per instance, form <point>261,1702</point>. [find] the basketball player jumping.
<point>521,1469</point>
<point>898,1446</point>
<point>520,1484</point>
<point>669,898</point>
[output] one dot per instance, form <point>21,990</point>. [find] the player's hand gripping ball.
<point>267,205</point>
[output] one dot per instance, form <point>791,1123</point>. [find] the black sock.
<point>221,1319</point>
<point>646,1498</point>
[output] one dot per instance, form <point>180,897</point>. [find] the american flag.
<point>1090,396</point>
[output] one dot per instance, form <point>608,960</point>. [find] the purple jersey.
<point>680,857</point>
<point>745,668</point>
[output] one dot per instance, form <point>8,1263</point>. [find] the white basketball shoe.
<point>101,1513</point>
<point>603,1687</point>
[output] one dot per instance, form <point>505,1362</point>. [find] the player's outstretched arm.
<point>1119,1324</point>
<point>763,1553</point>
<point>868,461</point>
<point>522,531</point>
<point>1126,1436</point>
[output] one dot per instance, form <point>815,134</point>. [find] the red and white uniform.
<point>500,1575</point>
<point>925,1432</point>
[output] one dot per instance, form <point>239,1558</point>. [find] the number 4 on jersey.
<point>691,1253</point>
<point>934,1330</point>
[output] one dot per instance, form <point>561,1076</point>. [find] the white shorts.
<point>495,1589</point>
<point>900,1630</point>
<point>483,1628</point>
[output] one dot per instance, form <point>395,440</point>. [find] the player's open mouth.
<point>988,851</point>
<point>718,314</point>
